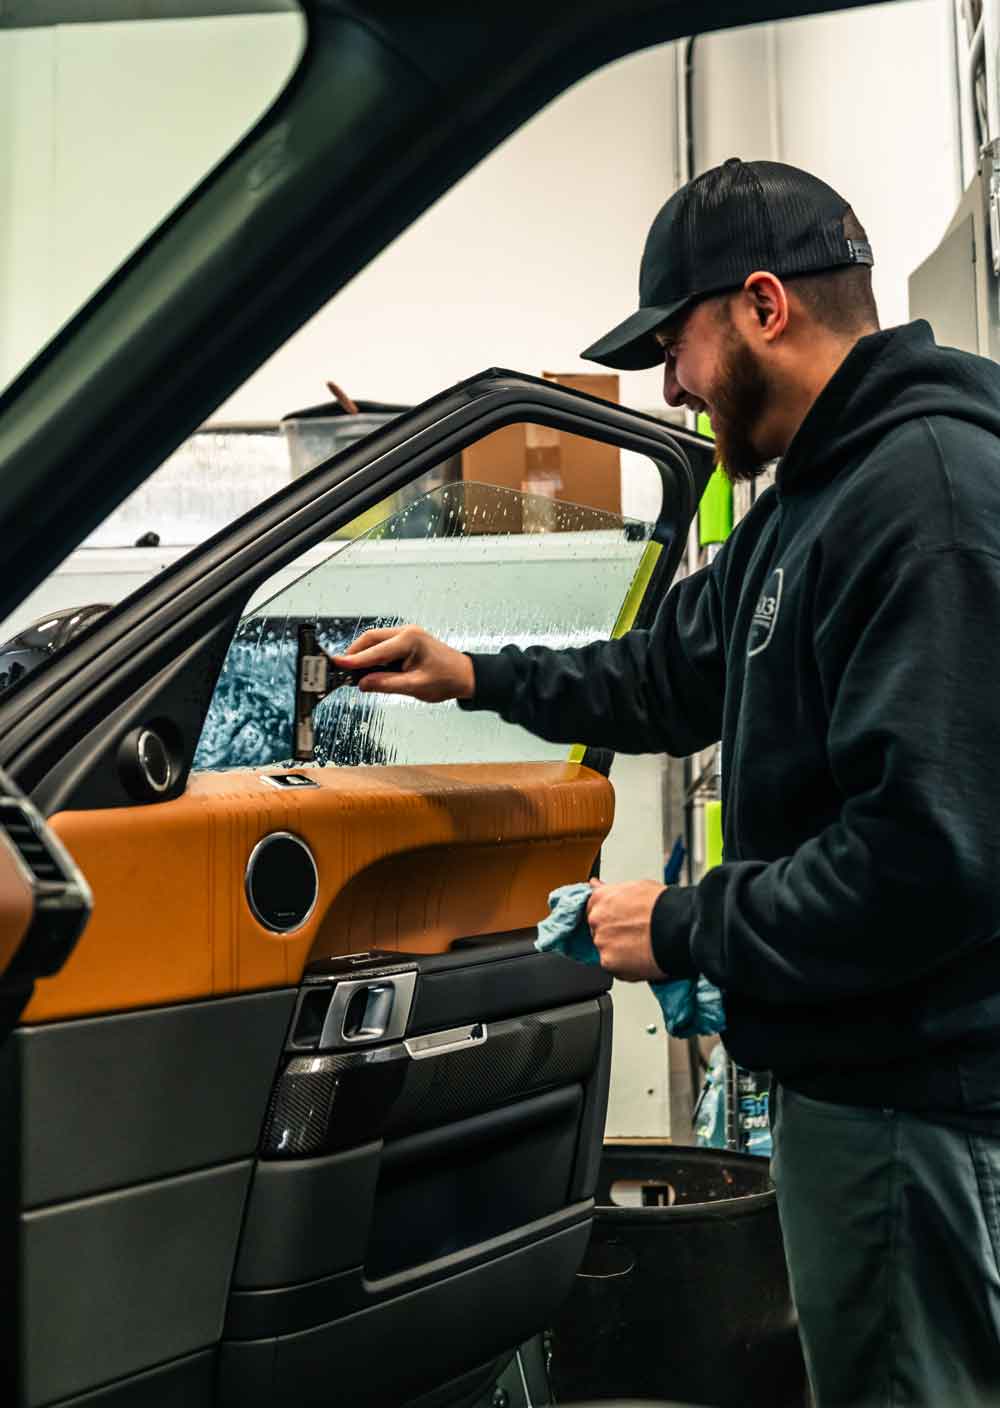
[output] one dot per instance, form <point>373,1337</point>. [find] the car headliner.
<point>391,104</point>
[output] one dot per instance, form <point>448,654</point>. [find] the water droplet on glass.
<point>560,585</point>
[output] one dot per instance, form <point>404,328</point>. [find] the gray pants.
<point>892,1232</point>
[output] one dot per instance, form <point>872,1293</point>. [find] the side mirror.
<point>35,643</point>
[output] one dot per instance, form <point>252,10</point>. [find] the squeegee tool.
<point>316,676</point>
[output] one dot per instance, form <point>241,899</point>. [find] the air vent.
<point>29,844</point>
<point>62,898</point>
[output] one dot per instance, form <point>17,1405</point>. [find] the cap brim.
<point>631,345</point>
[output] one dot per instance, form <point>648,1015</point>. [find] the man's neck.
<point>802,378</point>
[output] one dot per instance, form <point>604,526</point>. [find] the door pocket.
<point>450,1188</point>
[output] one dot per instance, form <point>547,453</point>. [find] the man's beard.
<point>739,399</point>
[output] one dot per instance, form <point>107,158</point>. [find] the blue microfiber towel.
<point>690,1007</point>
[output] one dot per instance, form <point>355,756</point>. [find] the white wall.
<point>530,258</point>
<point>536,252</point>
<point>639,1102</point>
<point>864,99</point>
<point>732,97</point>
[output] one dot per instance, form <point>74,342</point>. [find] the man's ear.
<point>768,303</point>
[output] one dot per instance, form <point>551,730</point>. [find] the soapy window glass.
<point>479,566</point>
<point>105,127</point>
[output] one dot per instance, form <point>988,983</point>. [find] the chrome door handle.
<point>368,1010</point>
<point>438,1043</point>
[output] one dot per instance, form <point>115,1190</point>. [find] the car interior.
<point>294,1114</point>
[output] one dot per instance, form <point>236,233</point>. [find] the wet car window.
<point>477,565</point>
<point>165,99</point>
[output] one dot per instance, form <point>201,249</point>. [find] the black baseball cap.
<point>714,232</point>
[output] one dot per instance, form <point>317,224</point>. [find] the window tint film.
<point>479,566</point>
<point>105,126</point>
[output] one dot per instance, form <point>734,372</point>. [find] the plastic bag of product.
<point>752,1114</point>
<point>710,1112</point>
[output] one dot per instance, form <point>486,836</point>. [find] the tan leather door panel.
<point>408,858</point>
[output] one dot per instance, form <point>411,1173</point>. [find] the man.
<point>845,646</point>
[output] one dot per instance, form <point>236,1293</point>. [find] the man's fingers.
<point>422,667</point>
<point>381,646</point>
<point>368,638</point>
<point>384,652</point>
<point>403,682</point>
<point>371,658</point>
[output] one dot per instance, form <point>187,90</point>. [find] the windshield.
<point>105,127</point>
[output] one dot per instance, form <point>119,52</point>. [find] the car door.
<point>304,1090</point>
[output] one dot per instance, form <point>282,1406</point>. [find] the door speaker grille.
<point>282,882</point>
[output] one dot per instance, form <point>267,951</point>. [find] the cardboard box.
<point>549,464</point>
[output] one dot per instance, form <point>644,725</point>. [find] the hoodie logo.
<point>765,613</point>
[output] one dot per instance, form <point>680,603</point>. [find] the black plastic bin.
<point>685,1295</point>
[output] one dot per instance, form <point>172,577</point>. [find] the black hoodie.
<point>845,646</point>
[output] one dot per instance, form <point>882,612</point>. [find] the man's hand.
<point>619,917</point>
<point>429,669</point>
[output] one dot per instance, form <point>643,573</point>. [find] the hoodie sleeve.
<point>651,691</point>
<point>908,877</point>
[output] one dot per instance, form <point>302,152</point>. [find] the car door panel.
<point>126,1280</point>
<point>333,1246</point>
<point>475,1175</point>
<point>124,1234</point>
<point>377,1353</point>
<point>378,1123</point>
<point>132,1099</point>
<point>115,1090</point>
<point>188,1382</point>
<point>171,922</point>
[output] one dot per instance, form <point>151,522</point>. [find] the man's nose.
<point>673,392</point>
